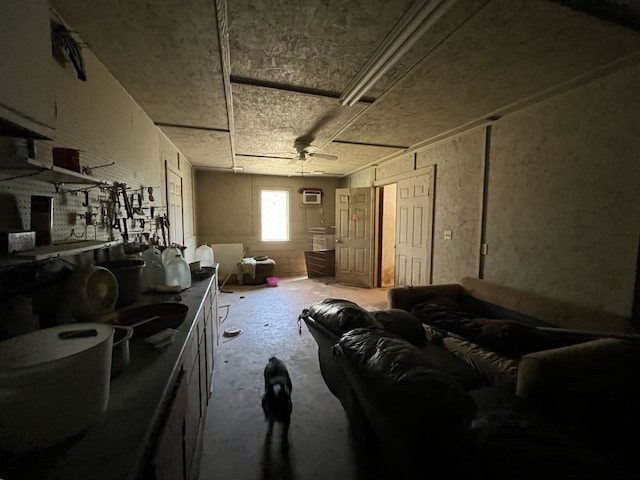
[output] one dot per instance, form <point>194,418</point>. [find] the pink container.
<point>272,281</point>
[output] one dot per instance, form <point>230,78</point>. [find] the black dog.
<point>276,402</point>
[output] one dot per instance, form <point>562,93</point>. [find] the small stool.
<point>264,269</point>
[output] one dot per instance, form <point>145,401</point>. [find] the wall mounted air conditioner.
<point>311,197</point>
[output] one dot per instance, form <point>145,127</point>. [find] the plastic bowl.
<point>272,281</point>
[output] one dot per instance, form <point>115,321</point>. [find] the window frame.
<point>286,191</point>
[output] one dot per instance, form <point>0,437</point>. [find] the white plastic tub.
<point>54,384</point>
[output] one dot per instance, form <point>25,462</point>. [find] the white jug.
<point>177,272</point>
<point>204,253</point>
<point>153,272</point>
<point>169,254</point>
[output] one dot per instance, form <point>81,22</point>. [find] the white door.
<point>414,219</point>
<point>353,236</point>
<point>174,206</point>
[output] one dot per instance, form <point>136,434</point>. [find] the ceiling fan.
<point>306,150</point>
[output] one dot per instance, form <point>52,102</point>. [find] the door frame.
<point>170,168</point>
<point>377,237</point>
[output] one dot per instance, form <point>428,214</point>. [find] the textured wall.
<point>458,205</point>
<point>563,198</point>
<point>402,164</point>
<point>228,210</point>
<point>363,178</point>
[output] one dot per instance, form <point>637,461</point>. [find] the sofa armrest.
<point>406,297</point>
<point>545,376</point>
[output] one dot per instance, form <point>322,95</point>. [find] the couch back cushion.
<point>340,316</point>
<point>406,297</point>
<point>490,310</point>
<point>403,324</point>
<point>558,313</point>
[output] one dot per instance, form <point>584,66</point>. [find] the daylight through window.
<point>274,220</point>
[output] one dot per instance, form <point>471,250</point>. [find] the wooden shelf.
<point>63,249</point>
<point>61,176</point>
<point>56,175</point>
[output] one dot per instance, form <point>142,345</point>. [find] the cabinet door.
<point>208,350</point>
<point>216,317</point>
<point>192,417</point>
<point>168,462</point>
<point>26,96</point>
<point>204,376</point>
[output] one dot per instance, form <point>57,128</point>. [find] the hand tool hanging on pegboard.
<point>122,190</point>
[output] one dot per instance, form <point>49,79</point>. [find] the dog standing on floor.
<point>276,401</point>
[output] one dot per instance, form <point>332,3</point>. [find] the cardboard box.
<point>11,242</point>
<point>68,158</point>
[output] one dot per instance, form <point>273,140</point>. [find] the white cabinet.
<point>26,83</point>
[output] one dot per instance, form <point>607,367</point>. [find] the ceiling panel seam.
<point>367,144</point>
<point>252,82</point>
<point>191,127</point>
<point>225,61</point>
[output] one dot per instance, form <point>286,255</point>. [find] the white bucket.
<point>52,388</point>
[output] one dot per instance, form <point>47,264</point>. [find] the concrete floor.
<point>234,445</point>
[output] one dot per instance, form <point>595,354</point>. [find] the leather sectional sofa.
<point>479,380</point>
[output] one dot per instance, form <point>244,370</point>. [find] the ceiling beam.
<point>225,62</point>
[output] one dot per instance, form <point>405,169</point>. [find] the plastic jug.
<point>177,272</point>
<point>153,272</point>
<point>169,254</point>
<point>204,253</point>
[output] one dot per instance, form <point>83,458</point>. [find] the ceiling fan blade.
<point>325,156</point>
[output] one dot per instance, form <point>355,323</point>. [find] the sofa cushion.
<point>493,367</point>
<point>507,337</point>
<point>340,316</point>
<point>489,310</point>
<point>406,384</point>
<point>403,324</point>
<point>440,307</point>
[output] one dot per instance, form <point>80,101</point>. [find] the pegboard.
<point>71,205</point>
<point>116,139</point>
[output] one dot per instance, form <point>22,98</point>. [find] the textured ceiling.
<point>238,83</point>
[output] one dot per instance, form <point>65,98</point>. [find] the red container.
<point>68,158</point>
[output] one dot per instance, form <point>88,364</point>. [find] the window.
<point>274,215</point>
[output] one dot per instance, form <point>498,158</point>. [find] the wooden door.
<point>174,205</point>
<point>354,236</point>
<point>414,219</point>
